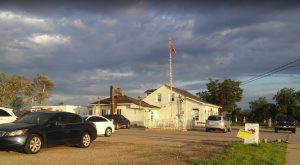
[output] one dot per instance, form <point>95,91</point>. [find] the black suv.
<point>119,121</point>
<point>285,122</point>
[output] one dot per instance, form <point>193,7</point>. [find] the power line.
<point>278,69</point>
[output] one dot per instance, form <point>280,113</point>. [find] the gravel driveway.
<point>137,146</point>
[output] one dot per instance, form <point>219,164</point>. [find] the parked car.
<point>218,122</point>
<point>285,122</point>
<point>7,115</point>
<point>104,126</point>
<point>36,130</point>
<point>119,121</point>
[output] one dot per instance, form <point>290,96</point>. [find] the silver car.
<point>218,122</point>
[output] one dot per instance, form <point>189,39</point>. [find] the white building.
<point>159,109</point>
<point>179,110</point>
<point>137,111</point>
<point>80,110</point>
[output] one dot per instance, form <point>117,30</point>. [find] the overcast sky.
<point>85,47</point>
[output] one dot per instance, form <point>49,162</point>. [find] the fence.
<point>166,124</point>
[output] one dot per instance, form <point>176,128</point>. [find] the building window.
<point>196,113</point>
<point>152,116</point>
<point>172,98</point>
<point>103,112</point>
<point>158,97</point>
<point>119,111</point>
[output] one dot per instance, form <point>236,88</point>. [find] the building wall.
<point>64,108</point>
<point>139,116</point>
<point>182,108</point>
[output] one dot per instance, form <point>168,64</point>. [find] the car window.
<point>60,119</point>
<point>285,118</point>
<point>214,118</point>
<point>93,119</point>
<point>35,118</point>
<point>72,118</point>
<point>4,113</point>
<point>101,119</point>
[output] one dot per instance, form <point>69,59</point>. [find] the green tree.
<point>287,102</point>
<point>18,91</point>
<point>225,94</point>
<point>261,109</point>
<point>3,91</point>
<point>42,86</point>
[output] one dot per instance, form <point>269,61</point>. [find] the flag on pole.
<point>172,49</point>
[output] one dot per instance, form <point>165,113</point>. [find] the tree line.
<point>18,91</point>
<point>229,92</point>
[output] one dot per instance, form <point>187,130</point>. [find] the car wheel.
<point>276,130</point>
<point>206,130</point>
<point>108,132</point>
<point>34,144</point>
<point>85,140</point>
<point>294,130</point>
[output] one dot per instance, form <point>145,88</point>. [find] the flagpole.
<point>171,83</point>
<point>172,51</point>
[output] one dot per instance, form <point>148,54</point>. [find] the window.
<point>196,113</point>
<point>172,98</point>
<point>96,119</point>
<point>152,116</point>
<point>4,113</point>
<point>158,96</point>
<point>103,112</point>
<point>74,118</point>
<point>119,111</point>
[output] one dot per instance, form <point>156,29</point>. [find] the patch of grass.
<point>248,154</point>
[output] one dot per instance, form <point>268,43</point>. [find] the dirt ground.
<point>135,146</point>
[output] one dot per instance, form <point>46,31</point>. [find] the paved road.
<point>293,149</point>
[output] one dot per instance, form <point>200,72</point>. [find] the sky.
<point>86,46</point>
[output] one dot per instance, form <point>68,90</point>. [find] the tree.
<point>287,102</point>
<point>261,110</point>
<point>42,86</point>
<point>225,94</point>
<point>18,91</point>
<point>3,91</point>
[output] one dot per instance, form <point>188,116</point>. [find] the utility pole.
<point>99,108</point>
<point>114,91</point>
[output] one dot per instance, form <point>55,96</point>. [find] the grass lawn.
<point>248,154</point>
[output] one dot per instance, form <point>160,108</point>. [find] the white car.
<point>7,115</point>
<point>104,126</point>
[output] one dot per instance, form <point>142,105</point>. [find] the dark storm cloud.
<point>86,46</point>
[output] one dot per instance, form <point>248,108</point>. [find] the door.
<point>73,128</point>
<point>196,117</point>
<point>55,130</point>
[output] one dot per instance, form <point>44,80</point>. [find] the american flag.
<point>172,49</point>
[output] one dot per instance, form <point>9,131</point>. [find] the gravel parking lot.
<point>137,146</point>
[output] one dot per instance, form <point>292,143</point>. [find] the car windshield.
<point>214,118</point>
<point>285,118</point>
<point>35,118</point>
